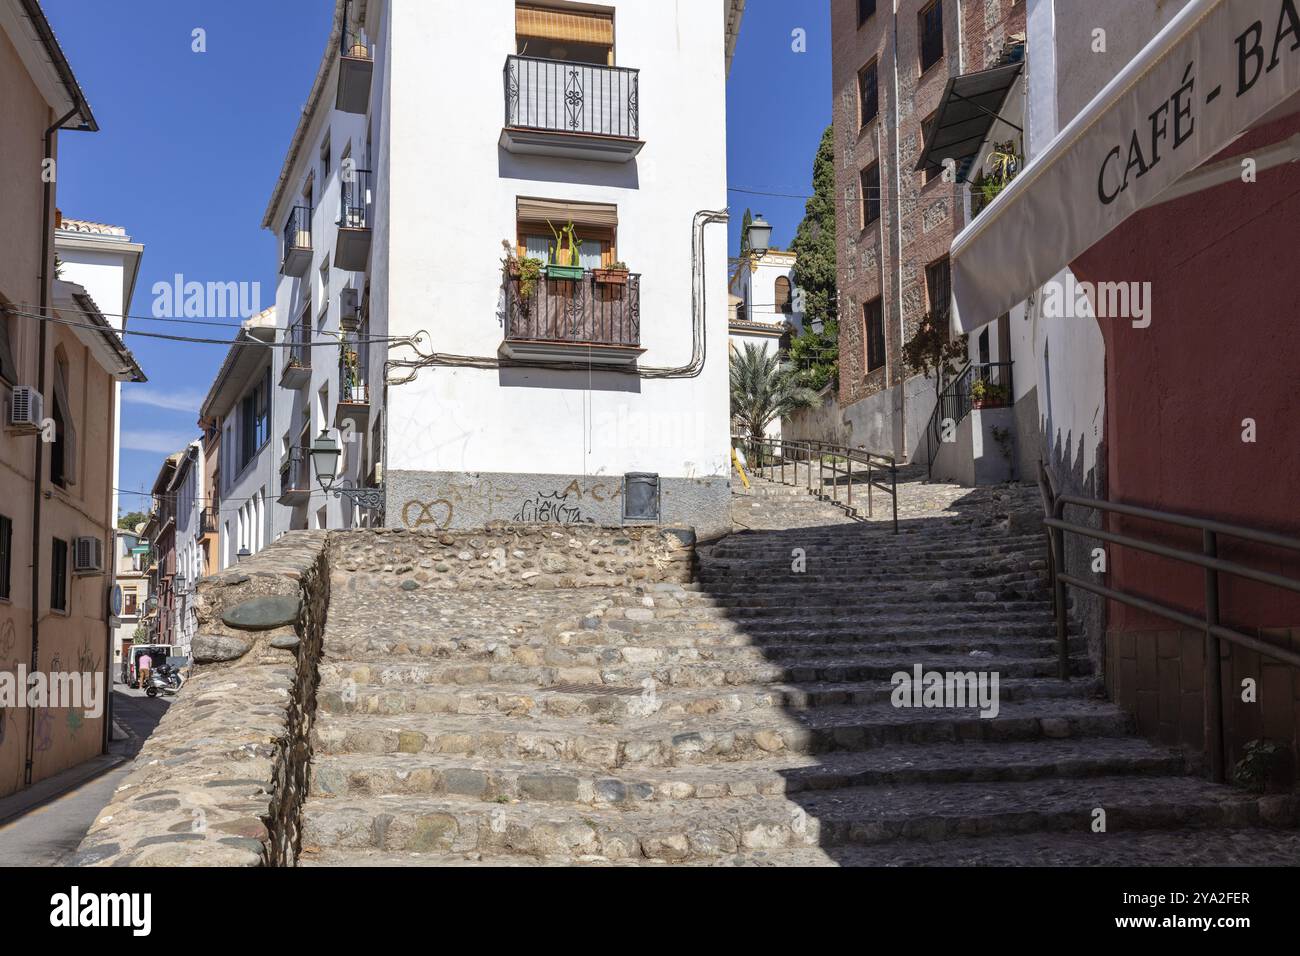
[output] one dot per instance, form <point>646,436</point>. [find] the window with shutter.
<point>938,286</point>
<point>870,194</point>
<point>873,333</point>
<point>577,36</point>
<point>931,34</point>
<point>783,295</point>
<point>868,94</point>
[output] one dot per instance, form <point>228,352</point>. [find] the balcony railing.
<point>580,312</point>
<point>208,520</point>
<point>353,390</point>
<point>352,248</point>
<point>295,476</point>
<point>568,97</point>
<point>297,241</point>
<point>297,359</point>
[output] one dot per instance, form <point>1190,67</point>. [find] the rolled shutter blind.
<point>567,26</point>
<point>560,213</point>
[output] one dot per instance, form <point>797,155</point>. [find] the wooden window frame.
<point>872,68</point>
<point>874,311</point>
<point>869,203</point>
<point>922,16</point>
<point>607,236</point>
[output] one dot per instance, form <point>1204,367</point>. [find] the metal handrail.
<point>958,398</point>
<point>1208,559</point>
<point>795,451</point>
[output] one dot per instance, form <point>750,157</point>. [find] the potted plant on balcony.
<point>527,271</point>
<point>985,394</point>
<point>565,254</point>
<point>614,275</point>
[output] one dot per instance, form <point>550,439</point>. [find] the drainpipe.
<point>47,230</point>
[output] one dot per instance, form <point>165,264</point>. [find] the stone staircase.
<point>747,719</point>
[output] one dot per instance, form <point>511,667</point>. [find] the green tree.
<point>129,520</point>
<point>762,392</point>
<point>931,351</point>
<point>814,242</point>
<point>744,233</point>
<point>816,355</point>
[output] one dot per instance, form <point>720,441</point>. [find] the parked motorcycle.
<point>164,680</point>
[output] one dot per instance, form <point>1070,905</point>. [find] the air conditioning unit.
<point>88,556</point>
<point>26,409</point>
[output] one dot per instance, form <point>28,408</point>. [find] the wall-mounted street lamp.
<point>325,454</point>
<point>760,236</point>
<point>243,553</point>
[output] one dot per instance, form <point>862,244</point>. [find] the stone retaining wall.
<point>513,557</point>
<point>222,779</point>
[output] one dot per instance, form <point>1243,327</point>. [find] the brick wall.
<point>925,216</point>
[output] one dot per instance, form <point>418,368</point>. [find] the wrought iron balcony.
<point>297,242</point>
<point>572,110</point>
<point>297,359</point>
<point>352,249</point>
<point>356,67</point>
<point>354,392</point>
<point>585,319</point>
<point>295,476</point>
<point>208,521</point>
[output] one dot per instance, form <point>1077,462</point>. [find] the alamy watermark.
<point>1073,299</point>
<point>78,691</point>
<point>950,690</point>
<point>182,299</point>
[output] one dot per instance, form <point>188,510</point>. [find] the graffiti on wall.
<point>483,501</point>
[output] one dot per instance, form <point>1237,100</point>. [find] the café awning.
<point>1218,68</point>
<point>969,108</point>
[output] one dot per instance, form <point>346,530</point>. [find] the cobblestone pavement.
<point>747,719</point>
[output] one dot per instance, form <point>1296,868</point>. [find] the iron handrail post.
<point>893,478</point>
<point>1062,625</point>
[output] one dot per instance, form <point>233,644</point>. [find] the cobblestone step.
<point>497,781</point>
<point>1227,847</point>
<point>690,674</point>
<point>636,703</point>
<point>725,738</point>
<point>681,831</point>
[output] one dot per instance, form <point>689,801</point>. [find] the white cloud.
<point>172,401</point>
<point>158,442</point>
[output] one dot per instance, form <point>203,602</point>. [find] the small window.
<point>130,603</point>
<point>870,194</point>
<point>868,94</point>
<point>866,10</point>
<point>934,170</point>
<point>873,332</point>
<point>783,299</point>
<point>59,576</point>
<point>6,557</point>
<point>63,450</point>
<point>325,161</point>
<point>575,36</point>
<point>938,286</point>
<point>8,367</point>
<point>931,34</point>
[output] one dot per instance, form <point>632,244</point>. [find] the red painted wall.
<point>1223,346</point>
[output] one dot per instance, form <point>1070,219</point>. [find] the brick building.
<point>895,224</point>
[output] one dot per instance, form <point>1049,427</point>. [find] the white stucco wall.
<point>452,195</point>
<point>756,284</point>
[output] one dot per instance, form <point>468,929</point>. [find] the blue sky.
<point>191,143</point>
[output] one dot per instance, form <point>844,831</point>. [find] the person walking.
<point>145,664</point>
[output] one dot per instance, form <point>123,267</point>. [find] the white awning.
<point>1215,70</point>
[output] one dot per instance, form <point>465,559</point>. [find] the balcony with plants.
<point>575,304</point>
<point>354,391</point>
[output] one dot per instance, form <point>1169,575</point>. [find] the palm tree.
<point>762,392</point>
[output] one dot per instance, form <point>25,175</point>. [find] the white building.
<point>765,285</point>
<point>501,398</point>
<point>104,261</point>
<point>188,494</point>
<point>132,584</point>
<point>240,404</point>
